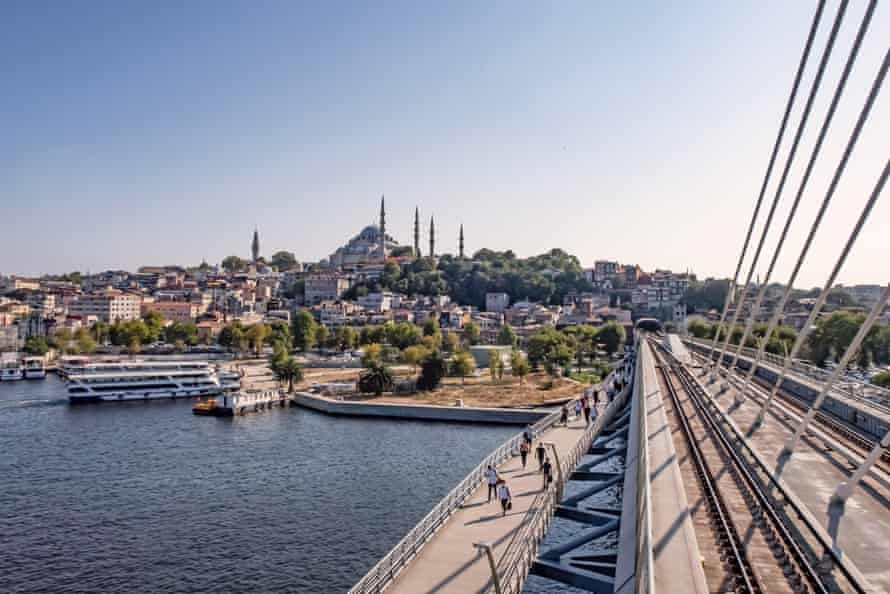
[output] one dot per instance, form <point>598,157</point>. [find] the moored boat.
<point>34,367</point>
<point>142,380</point>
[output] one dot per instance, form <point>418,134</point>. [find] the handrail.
<point>522,550</point>
<point>385,571</point>
<point>820,375</point>
<point>643,568</point>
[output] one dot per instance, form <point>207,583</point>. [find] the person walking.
<point>579,406</point>
<point>524,449</point>
<point>491,477</point>
<point>548,473</point>
<point>542,453</point>
<point>504,496</point>
<point>587,414</point>
<point>564,416</point>
<point>527,435</point>
<point>596,397</point>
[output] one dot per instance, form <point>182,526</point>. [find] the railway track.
<point>761,548</point>
<point>852,438</point>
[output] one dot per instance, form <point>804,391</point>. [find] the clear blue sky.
<point>162,132</point>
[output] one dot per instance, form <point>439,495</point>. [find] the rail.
<point>868,394</point>
<point>385,571</point>
<point>643,572</point>
<point>522,550</point>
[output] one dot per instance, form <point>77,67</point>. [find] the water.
<point>145,497</point>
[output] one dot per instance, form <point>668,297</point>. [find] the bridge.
<point>719,467</point>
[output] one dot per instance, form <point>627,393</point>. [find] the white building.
<point>377,302</point>
<point>108,306</point>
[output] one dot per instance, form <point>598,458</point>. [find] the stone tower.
<point>460,244</point>
<point>382,247</point>
<point>432,253</point>
<point>255,245</point>
<point>416,232</point>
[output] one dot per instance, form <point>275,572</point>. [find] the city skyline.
<point>638,135</point>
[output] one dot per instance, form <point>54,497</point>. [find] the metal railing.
<point>522,550</point>
<point>385,571</point>
<point>868,394</point>
<point>644,578</point>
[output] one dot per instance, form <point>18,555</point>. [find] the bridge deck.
<point>862,528</point>
<point>449,562</point>
<point>676,556</point>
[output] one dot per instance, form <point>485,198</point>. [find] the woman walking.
<point>524,449</point>
<point>542,453</point>
<point>504,497</point>
<point>491,477</point>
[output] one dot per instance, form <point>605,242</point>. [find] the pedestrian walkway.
<point>449,562</point>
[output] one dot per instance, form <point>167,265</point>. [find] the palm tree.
<point>376,378</point>
<point>287,369</point>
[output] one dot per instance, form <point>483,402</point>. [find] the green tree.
<point>432,330</point>
<point>472,334</point>
<point>432,370</point>
<point>494,364</point>
<point>413,355</point>
<point>372,334</point>
<point>882,379</point>
<point>519,365</point>
<point>372,353</point>
<point>550,347</point>
<point>256,337</point>
<point>347,338</point>
<point>462,365</point>
<point>85,342</point>
<point>507,336</point>
<point>279,335</point>
<point>233,264</point>
<point>611,335</point>
<point>303,330</point>
<point>100,331</point>
<point>450,342</point>
<point>184,332</point>
<point>283,260</point>
<point>36,346</point>
<point>402,335</point>
<point>700,329</point>
<point>376,378</point>
<point>286,369</point>
<point>322,335</point>
<point>154,326</point>
<point>231,335</point>
<point>878,343</point>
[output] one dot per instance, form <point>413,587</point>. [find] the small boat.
<point>11,370</point>
<point>34,367</point>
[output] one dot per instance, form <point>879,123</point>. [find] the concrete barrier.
<point>423,412</point>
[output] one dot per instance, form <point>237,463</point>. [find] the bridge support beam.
<point>845,490</point>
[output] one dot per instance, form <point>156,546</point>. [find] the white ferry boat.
<point>142,380</point>
<point>34,367</point>
<point>11,370</point>
<point>72,364</point>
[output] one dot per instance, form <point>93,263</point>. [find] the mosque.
<point>372,245</point>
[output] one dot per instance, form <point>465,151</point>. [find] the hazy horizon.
<point>150,134</point>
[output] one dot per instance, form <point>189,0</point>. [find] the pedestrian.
<point>596,397</point>
<point>548,473</point>
<point>491,477</point>
<point>542,453</point>
<point>564,417</point>
<point>579,406</point>
<point>524,448</point>
<point>587,415</point>
<point>504,496</point>
<point>593,415</point>
<point>527,435</point>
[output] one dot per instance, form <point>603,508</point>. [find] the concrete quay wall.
<point>869,420</point>
<point>507,416</point>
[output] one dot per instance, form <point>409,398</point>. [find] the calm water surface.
<point>146,497</point>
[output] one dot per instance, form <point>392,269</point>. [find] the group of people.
<point>497,485</point>
<point>587,405</point>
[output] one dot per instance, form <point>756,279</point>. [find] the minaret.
<point>255,245</point>
<point>416,232</point>
<point>460,244</point>
<point>432,253</point>
<point>382,247</point>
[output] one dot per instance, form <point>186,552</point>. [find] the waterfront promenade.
<point>449,562</point>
